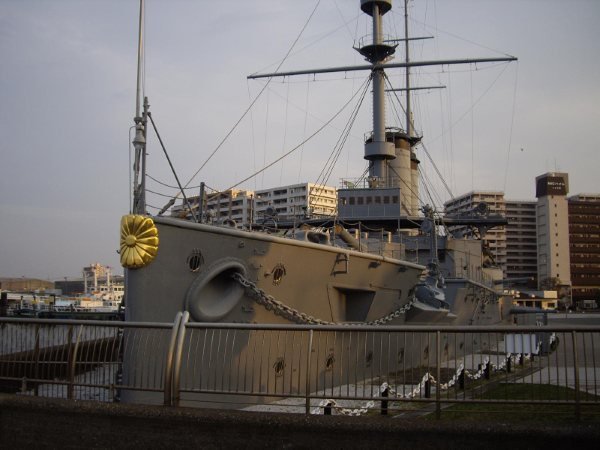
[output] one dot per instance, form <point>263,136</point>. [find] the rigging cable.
<point>173,170</point>
<point>317,131</point>
<point>305,125</point>
<point>512,122</point>
<point>472,106</point>
<point>472,134</point>
<point>252,133</point>
<point>325,174</point>
<point>436,169</point>
<point>266,136</point>
<point>285,125</point>
<point>257,97</point>
<point>421,143</point>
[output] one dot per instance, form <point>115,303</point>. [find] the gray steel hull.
<point>325,282</point>
<point>192,271</point>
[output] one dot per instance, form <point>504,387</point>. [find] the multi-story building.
<point>552,221</point>
<point>494,239</point>
<point>521,240</point>
<point>244,207</point>
<point>584,247</point>
<point>233,204</point>
<point>296,201</point>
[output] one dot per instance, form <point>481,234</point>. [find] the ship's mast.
<point>377,150</point>
<point>139,142</point>
<point>391,164</point>
<point>409,129</point>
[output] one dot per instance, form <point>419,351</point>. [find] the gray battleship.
<point>332,274</point>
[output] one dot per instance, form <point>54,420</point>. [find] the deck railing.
<point>346,369</point>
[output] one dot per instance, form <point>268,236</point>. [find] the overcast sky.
<point>67,100</point>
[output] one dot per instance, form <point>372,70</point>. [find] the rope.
<point>298,146</point>
<point>255,99</point>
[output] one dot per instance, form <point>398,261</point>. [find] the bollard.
<point>3,304</point>
<point>384,403</point>
<point>428,388</point>
<point>508,362</point>
<point>486,371</point>
<point>461,379</point>
<point>520,359</point>
<point>327,409</point>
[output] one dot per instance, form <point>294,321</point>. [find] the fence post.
<point>308,353</point>
<point>36,353</point>
<point>73,362</point>
<point>384,403</point>
<point>576,369</point>
<point>169,362</point>
<point>177,358</point>
<point>438,394</point>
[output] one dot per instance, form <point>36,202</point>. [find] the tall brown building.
<point>584,246</point>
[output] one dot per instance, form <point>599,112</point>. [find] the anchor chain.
<point>285,311</point>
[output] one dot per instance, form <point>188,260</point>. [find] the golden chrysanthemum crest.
<point>139,241</point>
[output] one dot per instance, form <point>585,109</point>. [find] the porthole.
<point>195,260</point>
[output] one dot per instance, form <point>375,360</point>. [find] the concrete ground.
<point>29,422</point>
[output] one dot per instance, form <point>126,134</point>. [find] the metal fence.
<point>299,368</point>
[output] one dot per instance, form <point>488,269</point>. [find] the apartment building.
<point>494,239</point>
<point>233,204</point>
<point>584,247</point>
<point>296,201</point>
<point>521,240</point>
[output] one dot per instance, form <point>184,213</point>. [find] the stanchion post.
<point>384,403</point>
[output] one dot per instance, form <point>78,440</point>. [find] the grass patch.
<point>524,413</point>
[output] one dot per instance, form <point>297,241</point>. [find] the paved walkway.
<point>28,422</point>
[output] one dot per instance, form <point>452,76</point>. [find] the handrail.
<point>257,363</point>
<point>169,362</point>
<point>177,358</point>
